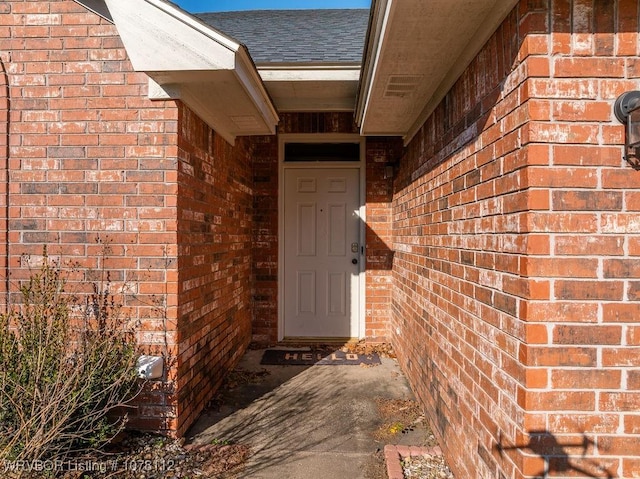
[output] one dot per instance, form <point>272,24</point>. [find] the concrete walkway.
<point>305,422</point>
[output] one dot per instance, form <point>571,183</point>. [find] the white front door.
<point>321,252</point>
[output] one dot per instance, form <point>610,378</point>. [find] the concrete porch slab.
<point>299,421</point>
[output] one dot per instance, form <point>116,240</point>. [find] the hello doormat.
<point>323,358</point>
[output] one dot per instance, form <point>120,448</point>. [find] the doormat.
<point>322,358</point>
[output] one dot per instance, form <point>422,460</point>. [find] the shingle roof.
<point>296,36</point>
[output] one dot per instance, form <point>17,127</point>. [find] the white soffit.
<point>311,87</point>
<point>415,52</point>
<point>190,61</point>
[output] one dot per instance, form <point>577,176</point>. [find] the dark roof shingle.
<point>296,36</point>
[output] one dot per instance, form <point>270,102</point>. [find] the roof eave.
<point>423,47</point>
<point>375,35</point>
<point>98,7</point>
<point>188,60</point>
<point>311,86</point>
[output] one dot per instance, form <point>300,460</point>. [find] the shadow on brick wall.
<point>557,456</point>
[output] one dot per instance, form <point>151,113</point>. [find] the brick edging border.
<point>394,454</point>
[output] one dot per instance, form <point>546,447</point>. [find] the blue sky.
<point>198,6</point>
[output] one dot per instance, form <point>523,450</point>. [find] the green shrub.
<point>66,368</point>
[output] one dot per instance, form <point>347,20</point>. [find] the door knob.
<point>354,261</point>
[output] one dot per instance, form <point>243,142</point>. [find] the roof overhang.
<point>309,87</point>
<point>98,7</point>
<point>415,52</point>
<point>189,61</point>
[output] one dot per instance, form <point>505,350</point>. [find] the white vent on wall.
<point>402,85</point>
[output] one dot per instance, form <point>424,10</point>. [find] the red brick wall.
<point>215,223</point>
<point>92,162</point>
<point>515,226</point>
<point>265,240</point>
<point>381,153</point>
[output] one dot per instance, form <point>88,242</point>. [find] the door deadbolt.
<point>354,261</point>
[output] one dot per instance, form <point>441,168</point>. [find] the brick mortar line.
<point>393,455</point>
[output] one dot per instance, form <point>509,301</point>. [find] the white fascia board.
<point>380,13</point>
<point>250,78</point>
<point>308,73</point>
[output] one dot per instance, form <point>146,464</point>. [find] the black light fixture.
<point>627,111</point>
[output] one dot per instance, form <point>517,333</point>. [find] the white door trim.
<point>361,165</point>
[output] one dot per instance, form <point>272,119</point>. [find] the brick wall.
<point>382,153</point>
<point>92,165</point>
<point>215,223</point>
<point>515,236</point>
<point>265,240</point>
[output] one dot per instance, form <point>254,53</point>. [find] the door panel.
<point>321,283</point>
<point>337,225</point>
<point>306,288</point>
<point>337,300</point>
<point>306,226</point>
